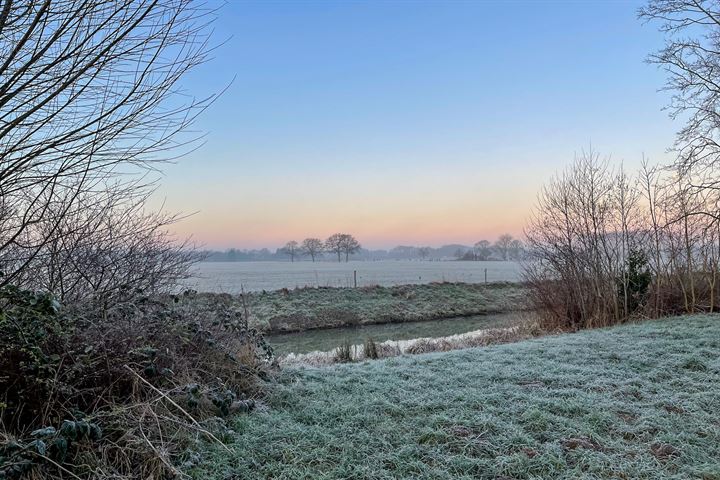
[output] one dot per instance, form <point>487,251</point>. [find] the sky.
<point>408,122</point>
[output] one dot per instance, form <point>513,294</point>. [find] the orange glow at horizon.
<point>425,210</point>
<point>379,236</point>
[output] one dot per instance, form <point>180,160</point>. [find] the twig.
<point>192,419</point>
<point>245,307</point>
<point>154,448</point>
<point>57,465</point>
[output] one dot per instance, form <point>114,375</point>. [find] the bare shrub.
<point>102,403</point>
<point>583,232</point>
<point>429,345</point>
<point>110,249</point>
<point>344,352</point>
<point>606,247</point>
<point>370,350</point>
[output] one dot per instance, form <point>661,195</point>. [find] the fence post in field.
<point>355,278</point>
<point>486,276</point>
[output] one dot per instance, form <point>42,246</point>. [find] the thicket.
<point>103,372</point>
<point>119,393</point>
<point>607,245</point>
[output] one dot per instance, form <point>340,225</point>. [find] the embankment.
<point>310,308</point>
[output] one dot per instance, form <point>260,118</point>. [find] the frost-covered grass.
<point>307,308</point>
<point>230,277</point>
<point>302,309</point>
<point>635,401</point>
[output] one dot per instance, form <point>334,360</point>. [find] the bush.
<point>636,284</point>
<point>370,349</point>
<point>121,394</point>
<point>344,352</point>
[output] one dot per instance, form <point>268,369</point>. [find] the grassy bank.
<point>308,308</point>
<point>635,401</point>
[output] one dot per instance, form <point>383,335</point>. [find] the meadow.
<point>231,277</point>
<point>634,401</point>
<point>314,308</point>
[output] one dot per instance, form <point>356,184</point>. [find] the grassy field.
<point>307,308</point>
<point>230,277</point>
<point>639,401</point>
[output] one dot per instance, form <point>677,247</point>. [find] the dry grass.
<point>122,395</point>
<point>353,353</point>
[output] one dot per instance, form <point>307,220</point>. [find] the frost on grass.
<point>307,308</point>
<point>636,401</point>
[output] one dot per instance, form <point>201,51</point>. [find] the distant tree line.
<point>505,248</point>
<point>341,244</point>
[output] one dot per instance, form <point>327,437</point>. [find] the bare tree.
<point>333,244</point>
<point>342,243</point>
<point>88,91</point>
<point>291,249</point>
<point>503,245</point>
<point>482,250</point>
<point>691,59</point>
<point>684,211</point>
<point>349,246</point>
<point>606,246</point>
<point>516,249</point>
<point>652,192</point>
<point>424,252</point>
<point>312,247</point>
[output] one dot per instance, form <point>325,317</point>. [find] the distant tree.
<point>292,249</point>
<point>333,244</point>
<point>342,243</point>
<point>349,245</point>
<point>459,253</point>
<point>404,251</point>
<point>503,245</point>
<point>517,250</point>
<point>424,252</point>
<point>312,247</point>
<point>482,250</point>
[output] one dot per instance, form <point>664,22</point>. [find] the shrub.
<point>119,394</point>
<point>370,349</point>
<point>635,285</point>
<point>344,353</point>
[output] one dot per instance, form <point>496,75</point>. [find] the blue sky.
<point>409,122</point>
